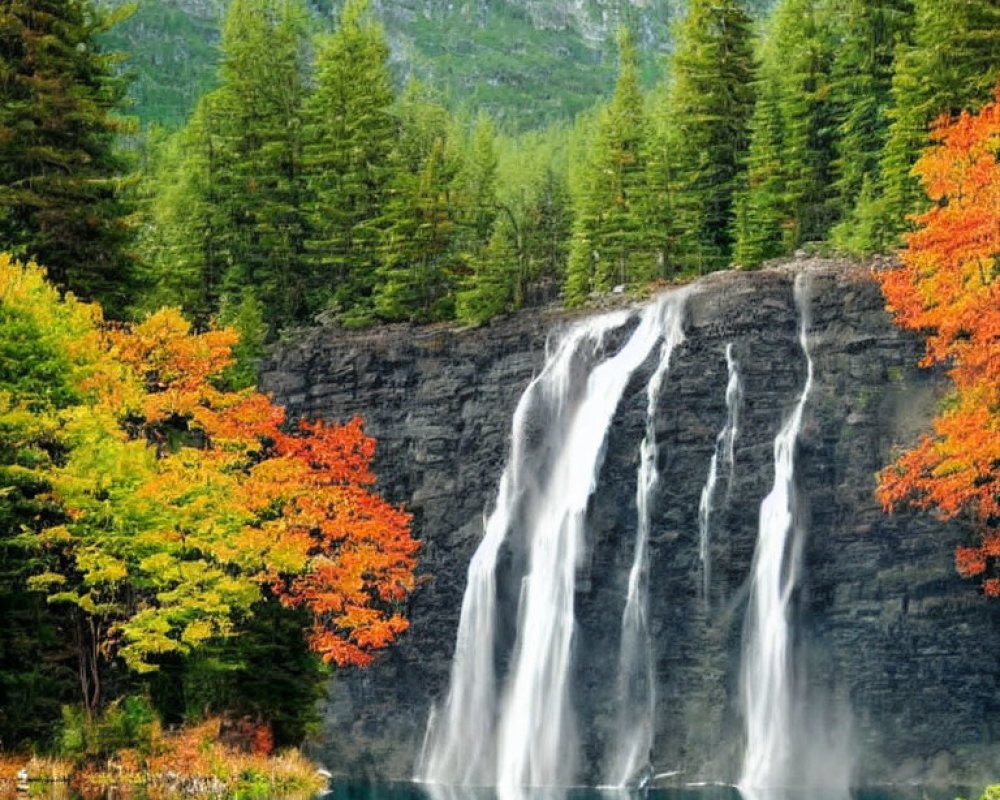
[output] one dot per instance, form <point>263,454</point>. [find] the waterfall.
<point>635,685</point>
<point>767,680</point>
<point>725,444</point>
<point>523,733</point>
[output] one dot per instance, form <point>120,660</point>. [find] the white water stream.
<point>634,694</point>
<point>523,734</point>
<point>724,452</point>
<point>767,679</point>
<point>508,719</point>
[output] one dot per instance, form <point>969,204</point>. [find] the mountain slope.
<point>527,62</point>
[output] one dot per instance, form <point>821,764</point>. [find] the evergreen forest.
<point>311,180</point>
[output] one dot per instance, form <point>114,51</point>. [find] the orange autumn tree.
<point>947,289</point>
<point>294,511</point>
<point>184,504</point>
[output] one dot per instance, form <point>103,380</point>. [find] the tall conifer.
<point>711,105</point>
<point>609,244</point>
<point>952,64</point>
<point>869,35</point>
<point>61,177</point>
<point>350,132</point>
<point>788,197</point>
<point>420,258</point>
<point>261,185</point>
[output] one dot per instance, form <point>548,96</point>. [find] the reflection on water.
<point>412,791</point>
<point>347,790</point>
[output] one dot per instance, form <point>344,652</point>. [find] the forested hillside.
<point>527,62</point>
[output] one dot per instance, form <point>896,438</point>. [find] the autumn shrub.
<point>204,759</point>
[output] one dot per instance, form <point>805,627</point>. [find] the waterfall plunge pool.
<point>351,790</point>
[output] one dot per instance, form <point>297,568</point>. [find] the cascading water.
<point>524,735</point>
<point>725,444</point>
<point>459,745</point>
<point>767,680</point>
<point>634,694</point>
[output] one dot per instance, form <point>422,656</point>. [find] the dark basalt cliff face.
<point>886,634</point>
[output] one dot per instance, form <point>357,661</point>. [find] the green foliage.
<point>183,244</point>
<point>869,36</point>
<point>792,142</point>
<point>264,671</point>
<point>711,102</point>
<point>228,206</point>
<point>611,243</point>
<point>523,262</point>
<point>246,317</point>
<point>952,64</point>
<point>61,179</point>
<point>421,262</point>
<point>491,289</point>
<point>258,118</point>
<point>128,721</point>
<point>761,208</point>
<point>42,365</point>
<point>350,131</point>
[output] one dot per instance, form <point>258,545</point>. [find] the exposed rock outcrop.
<point>886,632</point>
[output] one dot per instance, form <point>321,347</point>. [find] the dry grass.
<point>55,772</point>
<point>196,763</point>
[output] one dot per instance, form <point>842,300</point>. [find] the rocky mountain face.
<point>527,62</point>
<point>887,638</point>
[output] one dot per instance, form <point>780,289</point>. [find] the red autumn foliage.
<point>947,289</point>
<point>326,541</point>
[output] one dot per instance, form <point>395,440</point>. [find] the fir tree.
<point>260,184</point>
<point>952,64</point>
<point>491,288</point>
<point>350,131</point>
<point>609,244</point>
<point>869,34</point>
<point>62,196</point>
<point>659,206</point>
<point>761,208</point>
<point>184,252</point>
<point>711,104</point>
<point>477,186</point>
<point>420,259</point>
<point>788,196</point>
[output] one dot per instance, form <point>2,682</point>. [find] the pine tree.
<point>420,258</point>
<point>711,105</point>
<point>788,197</point>
<point>545,235</point>
<point>477,186</point>
<point>183,246</point>
<point>260,184</point>
<point>609,244</point>
<point>490,243</point>
<point>660,201</point>
<point>350,131</point>
<point>952,64</point>
<point>761,207</point>
<point>524,262</point>
<point>491,288</point>
<point>62,197</point>
<point>869,35</point>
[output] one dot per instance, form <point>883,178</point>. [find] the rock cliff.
<point>887,636</point>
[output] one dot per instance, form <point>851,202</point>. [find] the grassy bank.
<point>199,761</point>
